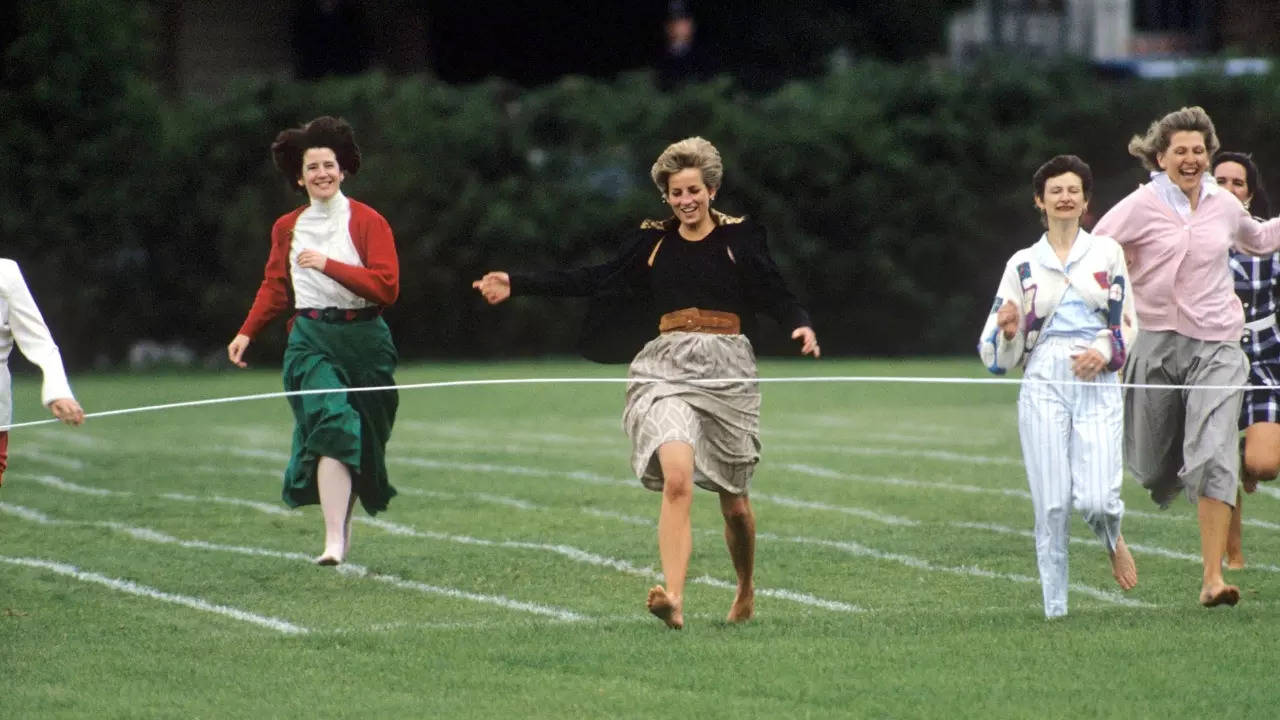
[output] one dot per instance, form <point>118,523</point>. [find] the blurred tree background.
<point>893,190</point>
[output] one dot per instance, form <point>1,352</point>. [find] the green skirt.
<point>350,427</point>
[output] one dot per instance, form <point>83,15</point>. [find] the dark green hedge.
<point>893,193</point>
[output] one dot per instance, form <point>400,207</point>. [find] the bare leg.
<point>1215,517</point>
<point>675,533</point>
<point>740,536</point>
<point>346,527</point>
<point>334,482</point>
<point>1235,537</point>
<point>1123,567</point>
<point>1260,461</point>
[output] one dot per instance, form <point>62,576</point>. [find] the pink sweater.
<point>1181,279</point>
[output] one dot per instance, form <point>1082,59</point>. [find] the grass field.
<point>149,570</point>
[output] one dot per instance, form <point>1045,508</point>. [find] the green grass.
<point>508,578</point>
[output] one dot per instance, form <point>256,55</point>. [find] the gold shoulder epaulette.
<point>723,219</point>
<point>652,224</point>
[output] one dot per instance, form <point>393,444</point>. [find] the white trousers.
<point>1071,444</point>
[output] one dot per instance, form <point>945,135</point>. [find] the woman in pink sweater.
<point>1176,231</point>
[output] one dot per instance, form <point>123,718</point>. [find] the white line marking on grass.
<point>1166,516</point>
<point>615,439</point>
<point>969,571</point>
<point>601,479</point>
<point>500,601</point>
<point>40,454</point>
<point>128,586</point>
<point>580,475</point>
<point>155,536</point>
<point>238,472</point>
<point>814,505</point>
<point>1268,490</point>
<point>902,482</point>
<point>268,508</point>
<point>444,448</point>
<point>65,436</point>
<point>58,483</point>
<point>1135,547</point>
<point>28,514</point>
<point>590,558</point>
<point>254,453</point>
<point>913,453</point>
<point>621,517</point>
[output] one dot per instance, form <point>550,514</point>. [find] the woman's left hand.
<point>312,259</point>
<point>809,341</point>
<point>1088,364</point>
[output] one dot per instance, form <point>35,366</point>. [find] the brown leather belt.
<point>705,321</point>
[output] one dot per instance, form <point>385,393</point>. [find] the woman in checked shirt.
<point>1255,279</point>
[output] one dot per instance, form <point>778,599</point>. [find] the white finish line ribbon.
<point>583,380</point>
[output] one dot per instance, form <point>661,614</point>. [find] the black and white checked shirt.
<point>1255,282</point>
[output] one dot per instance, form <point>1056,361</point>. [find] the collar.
<point>1046,256</point>
<point>1208,186</point>
<point>335,204</point>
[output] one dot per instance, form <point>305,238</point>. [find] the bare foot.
<point>1220,594</point>
<point>329,557</point>
<point>1123,567</point>
<point>1235,562</point>
<point>666,607</point>
<point>744,606</point>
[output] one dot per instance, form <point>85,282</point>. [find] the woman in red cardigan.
<point>334,261</point>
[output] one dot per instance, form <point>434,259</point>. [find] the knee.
<point>1091,508</point>
<point>737,510</point>
<point>1261,463</point>
<point>677,486</point>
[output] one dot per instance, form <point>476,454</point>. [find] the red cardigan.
<point>378,281</point>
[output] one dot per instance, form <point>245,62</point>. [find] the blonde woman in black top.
<point>695,281</point>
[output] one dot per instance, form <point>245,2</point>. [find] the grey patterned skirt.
<point>721,420</point>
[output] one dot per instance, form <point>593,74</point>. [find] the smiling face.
<point>1185,160</point>
<point>321,176</point>
<point>1233,177</point>
<point>689,197</point>
<point>1063,197</point>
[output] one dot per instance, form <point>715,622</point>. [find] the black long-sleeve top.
<point>658,271</point>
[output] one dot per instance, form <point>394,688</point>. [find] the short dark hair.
<point>1260,205</point>
<point>1061,164</point>
<point>323,132</point>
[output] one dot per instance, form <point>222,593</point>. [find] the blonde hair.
<point>1158,136</point>
<point>691,152</point>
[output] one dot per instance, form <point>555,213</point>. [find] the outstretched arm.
<point>36,343</point>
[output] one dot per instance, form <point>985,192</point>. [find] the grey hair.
<point>1156,140</point>
<point>693,152</point>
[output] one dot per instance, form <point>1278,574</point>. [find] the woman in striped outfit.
<point>1064,308</point>
<point>1255,279</point>
<point>333,262</point>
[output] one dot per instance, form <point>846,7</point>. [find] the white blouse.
<point>326,228</point>
<point>20,321</point>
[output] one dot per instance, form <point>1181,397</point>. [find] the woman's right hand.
<point>1007,319</point>
<point>494,286</point>
<point>235,350</point>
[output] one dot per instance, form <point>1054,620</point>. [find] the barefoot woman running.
<point>695,281</point>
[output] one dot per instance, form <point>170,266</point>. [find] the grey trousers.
<point>1183,439</point>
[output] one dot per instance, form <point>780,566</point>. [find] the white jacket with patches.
<point>1035,280</point>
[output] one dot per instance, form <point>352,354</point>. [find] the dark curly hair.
<point>323,132</point>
